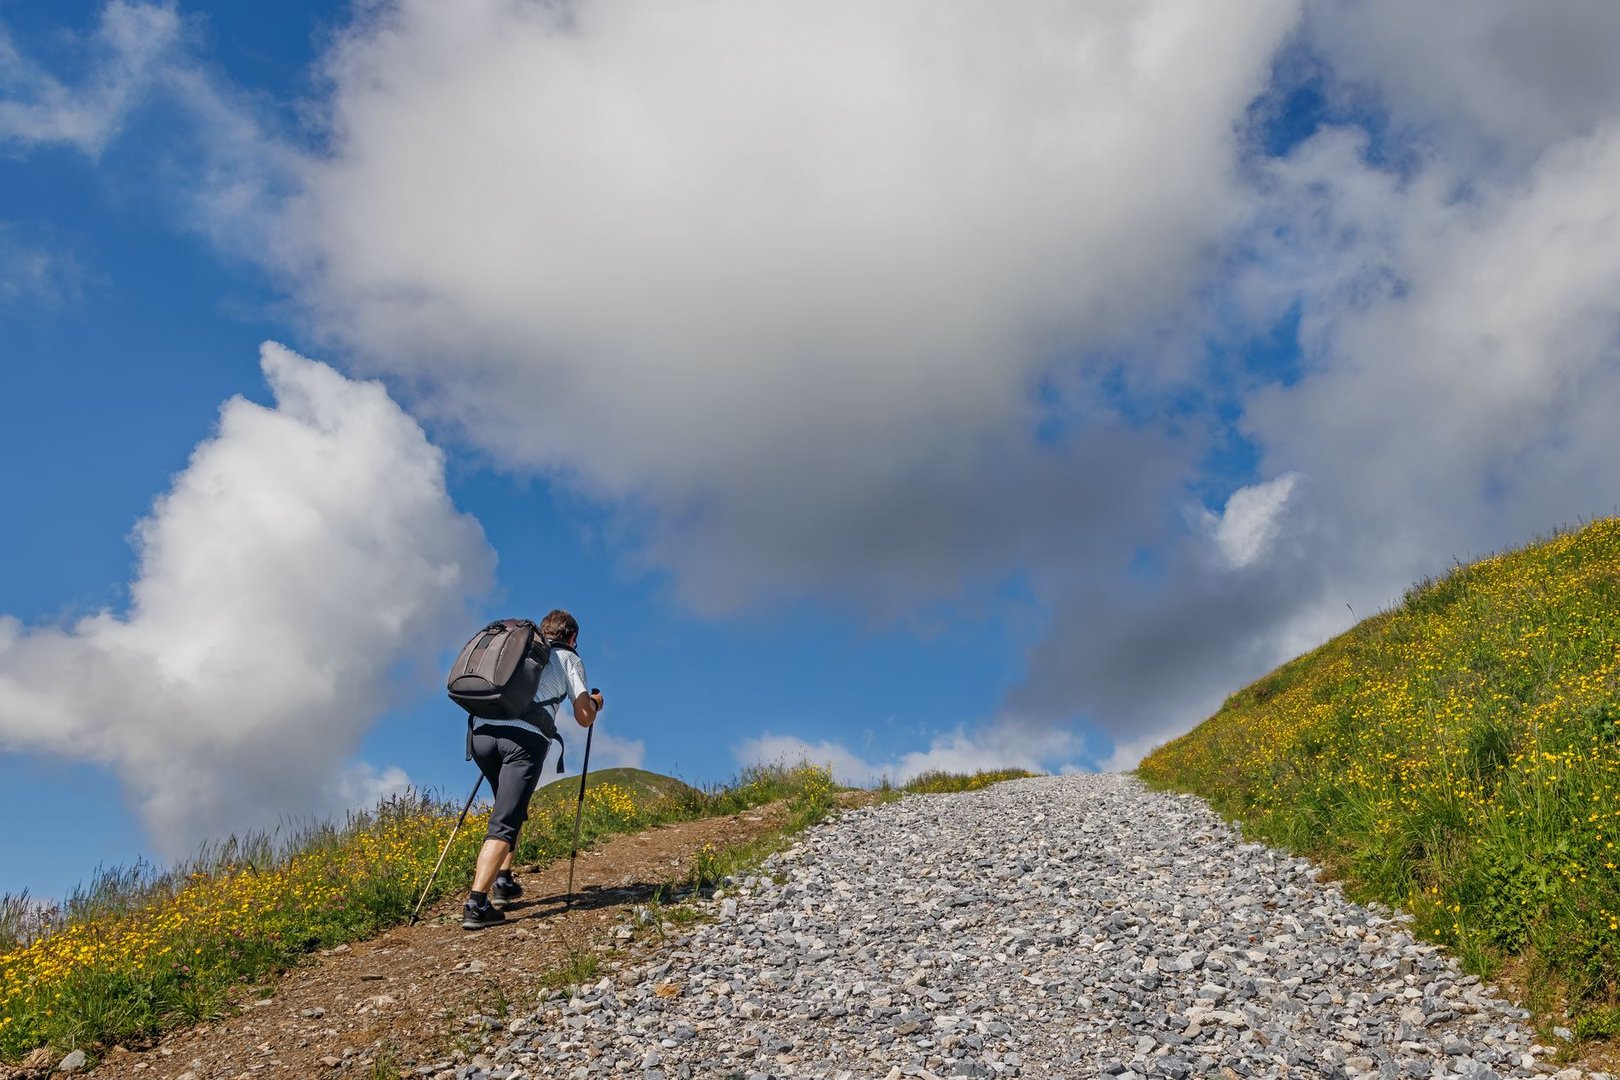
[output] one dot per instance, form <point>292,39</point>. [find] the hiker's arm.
<point>587,703</point>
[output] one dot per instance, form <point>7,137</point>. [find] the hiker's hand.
<point>596,699</point>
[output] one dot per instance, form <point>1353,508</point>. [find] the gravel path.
<point>1070,926</point>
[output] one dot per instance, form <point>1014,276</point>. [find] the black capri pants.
<point>510,757</point>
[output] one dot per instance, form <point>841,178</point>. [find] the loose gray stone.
<point>1074,926</point>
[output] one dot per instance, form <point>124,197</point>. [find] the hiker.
<point>510,753</point>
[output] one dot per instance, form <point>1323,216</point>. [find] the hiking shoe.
<point>503,892</point>
<point>474,917</point>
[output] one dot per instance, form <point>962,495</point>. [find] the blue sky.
<point>879,413</point>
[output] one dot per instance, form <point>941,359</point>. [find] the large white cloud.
<point>789,276</point>
<point>288,581</point>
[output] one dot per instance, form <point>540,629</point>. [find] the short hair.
<point>559,626</point>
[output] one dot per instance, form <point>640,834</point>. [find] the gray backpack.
<point>496,675</point>
<point>489,678</point>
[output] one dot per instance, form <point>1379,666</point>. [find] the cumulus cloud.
<point>306,558</point>
<point>1001,746</point>
<point>789,279</point>
<point>130,48</point>
<point>1246,528</point>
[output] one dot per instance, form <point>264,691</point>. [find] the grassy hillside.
<point>638,784</point>
<point>1458,757</point>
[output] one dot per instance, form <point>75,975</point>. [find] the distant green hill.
<point>642,786</point>
<point>1458,757</point>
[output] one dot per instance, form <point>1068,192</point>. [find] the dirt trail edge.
<point>413,996</point>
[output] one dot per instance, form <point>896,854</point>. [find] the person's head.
<point>559,627</point>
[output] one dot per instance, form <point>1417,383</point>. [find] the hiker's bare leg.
<point>491,857</point>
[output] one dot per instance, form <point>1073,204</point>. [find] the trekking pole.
<point>579,812</point>
<point>459,822</point>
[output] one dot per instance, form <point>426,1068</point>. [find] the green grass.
<point>582,964</point>
<point>660,800</point>
<point>1457,757</point>
<point>643,786</point>
<point>938,783</point>
<point>385,1066</point>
